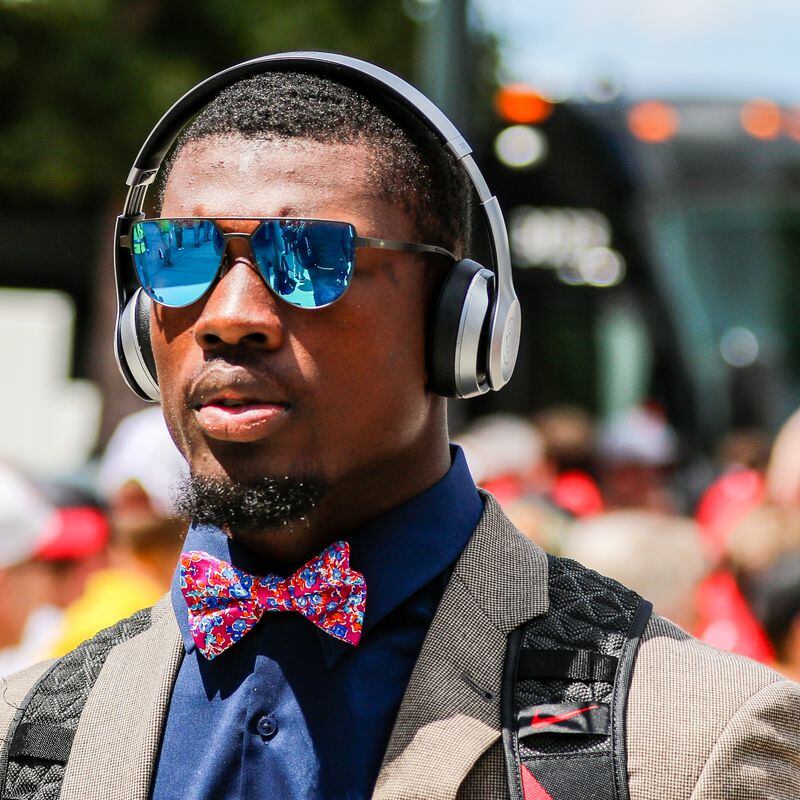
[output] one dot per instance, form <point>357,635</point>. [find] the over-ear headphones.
<point>476,326</point>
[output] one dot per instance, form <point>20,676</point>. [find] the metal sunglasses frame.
<point>126,241</point>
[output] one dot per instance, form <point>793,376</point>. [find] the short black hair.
<point>412,167</point>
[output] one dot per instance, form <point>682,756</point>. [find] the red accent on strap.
<point>531,788</point>
<point>545,720</point>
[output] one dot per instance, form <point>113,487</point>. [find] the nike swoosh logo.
<point>544,720</point>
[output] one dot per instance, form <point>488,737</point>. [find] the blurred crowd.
<point>715,546</point>
<point>75,558</point>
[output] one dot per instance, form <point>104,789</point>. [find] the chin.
<point>238,463</point>
<point>259,503</point>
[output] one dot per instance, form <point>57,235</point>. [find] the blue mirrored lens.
<point>176,259</point>
<point>308,263</point>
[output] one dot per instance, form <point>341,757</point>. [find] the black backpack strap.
<point>565,689</point>
<point>40,737</point>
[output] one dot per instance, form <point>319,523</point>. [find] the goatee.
<point>263,504</point>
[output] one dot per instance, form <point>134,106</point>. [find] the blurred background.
<point>647,157</point>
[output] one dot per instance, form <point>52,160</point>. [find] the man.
<point>28,619</point>
<point>308,429</point>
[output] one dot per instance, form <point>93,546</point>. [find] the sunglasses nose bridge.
<point>235,235</point>
<point>231,255</point>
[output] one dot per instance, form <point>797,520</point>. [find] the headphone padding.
<point>135,346</point>
<point>455,362</point>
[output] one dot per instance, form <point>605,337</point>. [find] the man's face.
<point>337,392</point>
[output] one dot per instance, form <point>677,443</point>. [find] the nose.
<point>240,310</point>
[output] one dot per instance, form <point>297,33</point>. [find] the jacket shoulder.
<point>685,698</point>
<point>14,689</point>
<point>75,667</point>
<point>106,675</point>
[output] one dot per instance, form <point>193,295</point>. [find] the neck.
<point>356,499</point>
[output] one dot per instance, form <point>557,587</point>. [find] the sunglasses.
<point>306,262</point>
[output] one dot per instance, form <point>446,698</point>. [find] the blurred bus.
<point>656,248</point>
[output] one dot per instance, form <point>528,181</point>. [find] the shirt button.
<point>267,726</point>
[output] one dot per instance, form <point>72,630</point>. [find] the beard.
<point>248,508</point>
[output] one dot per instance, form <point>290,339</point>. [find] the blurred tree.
<point>82,81</point>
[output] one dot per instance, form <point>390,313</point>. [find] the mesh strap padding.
<point>573,662</point>
<point>45,725</point>
<point>49,742</point>
<point>577,665</point>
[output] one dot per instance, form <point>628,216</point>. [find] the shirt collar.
<point>399,552</point>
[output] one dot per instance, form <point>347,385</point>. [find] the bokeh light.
<point>522,104</point>
<point>601,267</point>
<point>761,118</point>
<point>520,146</point>
<point>791,123</point>
<point>653,121</point>
<point>739,347</point>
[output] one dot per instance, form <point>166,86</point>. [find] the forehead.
<point>238,177</point>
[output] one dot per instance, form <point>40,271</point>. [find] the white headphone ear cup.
<point>135,352</point>
<point>456,359</point>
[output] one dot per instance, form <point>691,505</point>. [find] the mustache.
<point>220,377</point>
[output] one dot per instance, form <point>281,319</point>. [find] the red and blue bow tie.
<point>226,603</point>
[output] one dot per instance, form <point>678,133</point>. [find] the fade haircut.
<point>410,165</point>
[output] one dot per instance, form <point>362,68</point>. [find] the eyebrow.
<point>285,212</point>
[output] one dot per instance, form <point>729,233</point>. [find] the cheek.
<point>370,366</point>
<point>378,342</point>
<point>177,358</point>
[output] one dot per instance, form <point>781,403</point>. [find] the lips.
<point>231,405</point>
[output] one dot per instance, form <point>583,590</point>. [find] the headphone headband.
<point>504,323</point>
<point>170,125</point>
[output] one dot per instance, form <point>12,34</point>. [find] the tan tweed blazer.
<point>702,724</point>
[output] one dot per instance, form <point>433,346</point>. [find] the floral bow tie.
<point>225,603</point>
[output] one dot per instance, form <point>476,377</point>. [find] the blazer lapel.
<point>119,732</point>
<point>450,714</point>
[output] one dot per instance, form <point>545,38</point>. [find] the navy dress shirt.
<point>289,712</point>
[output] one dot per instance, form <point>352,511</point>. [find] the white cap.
<point>142,450</point>
<point>499,445</point>
<point>638,436</point>
<point>24,518</point>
